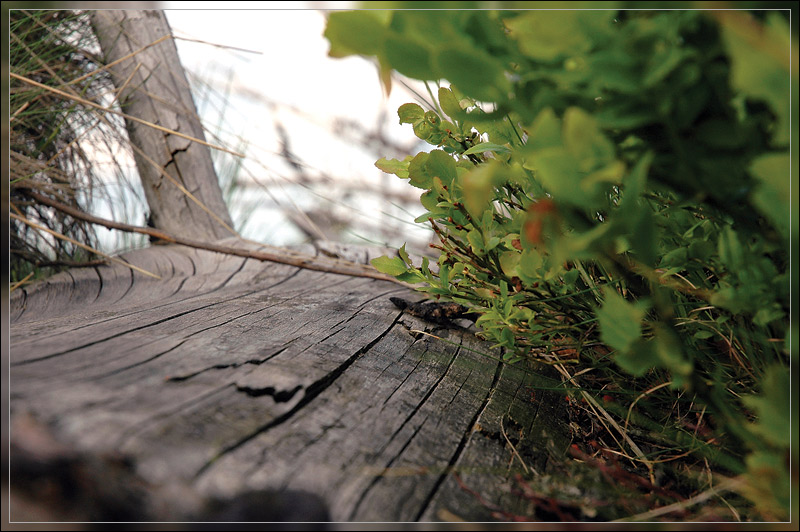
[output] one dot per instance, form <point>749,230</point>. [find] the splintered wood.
<point>229,378</point>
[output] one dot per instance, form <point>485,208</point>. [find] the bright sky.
<point>291,81</point>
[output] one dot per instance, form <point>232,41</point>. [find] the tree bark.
<point>287,393</point>
<point>153,87</point>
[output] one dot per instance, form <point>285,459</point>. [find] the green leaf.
<point>411,276</point>
<point>475,239</point>
<point>355,32</point>
<point>638,359</point>
<point>418,174</point>
<point>404,255</point>
<point>444,274</point>
<point>703,335</point>
<point>545,131</point>
<point>440,164</point>
<point>760,62</point>
<point>423,129</point>
<point>548,35</point>
<point>393,166</point>
<point>473,71</point>
<point>772,407</point>
<point>487,146</point>
<point>390,265</point>
<point>767,315</point>
<point>769,481</point>
<point>449,104</point>
<point>585,141</point>
<point>429,200</point>
<point>731,252</point>
<point>410,113</point>
<point>620,321</point>
<point>477,185</point>
<point>558,172</point>
<point>509,260</point>
<point>410,58</point>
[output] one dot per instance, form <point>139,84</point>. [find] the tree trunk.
<point>153,87</point>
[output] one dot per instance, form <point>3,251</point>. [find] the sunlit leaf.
<point>389,265</point>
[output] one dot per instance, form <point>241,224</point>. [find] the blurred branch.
<point>287,257</point>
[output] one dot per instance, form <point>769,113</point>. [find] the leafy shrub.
<point>611,186</point>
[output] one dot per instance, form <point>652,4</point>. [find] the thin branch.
<point>308,262</point>
<point>79,244</point>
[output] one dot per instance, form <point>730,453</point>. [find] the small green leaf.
<point>730,250</point>
<point>440,164</point>
<point>404,255</point>
<point>549,35</point>
<point>411,276</point>
<point>450,105</point>
<point>410,113</point>
<point>419,176</point>
<point>545,131</point>
<point>444,274</point>
<point>390,265</point>
<point>423,129</point>
<point>638,359</point>
<point>393,166</point>
<point>477,187</point>
<point>509,260</point>
<point>487,146</point>
<point>475,239</point>
<point>585,141</point>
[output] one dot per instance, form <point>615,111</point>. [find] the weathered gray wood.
<point>154,88</point>
<point>229,376</point>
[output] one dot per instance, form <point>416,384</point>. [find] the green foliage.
<point>615,178</point>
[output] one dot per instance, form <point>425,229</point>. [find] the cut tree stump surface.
<point>229,376</point>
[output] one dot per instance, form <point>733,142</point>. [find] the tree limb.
<point>291,258</point>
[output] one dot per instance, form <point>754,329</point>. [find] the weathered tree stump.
<point>231,378</point>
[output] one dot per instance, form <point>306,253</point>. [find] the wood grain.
<point>231,376</point>
<point>154,91</point>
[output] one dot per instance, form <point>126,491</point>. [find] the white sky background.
<point>293,82</point>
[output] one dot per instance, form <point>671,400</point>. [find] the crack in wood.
<point>252,361</point>
<point>423,400</point>
<point>151,324</point>
<point>140,363</point>
<point>143,425</point>
<point>117,335</point>
<point>231,276</point>
<point>408,418</point>
<point>280,396</point>
<point>310,394</point>
<point>384,471</point>
<point>461,444</point>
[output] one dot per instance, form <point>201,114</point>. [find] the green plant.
<point>610,189</point>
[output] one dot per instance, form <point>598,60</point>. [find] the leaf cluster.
<point>607,188</point>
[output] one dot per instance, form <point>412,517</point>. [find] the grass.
<point>61,145</point>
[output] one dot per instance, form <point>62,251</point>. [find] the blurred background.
<point>310,128</point>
